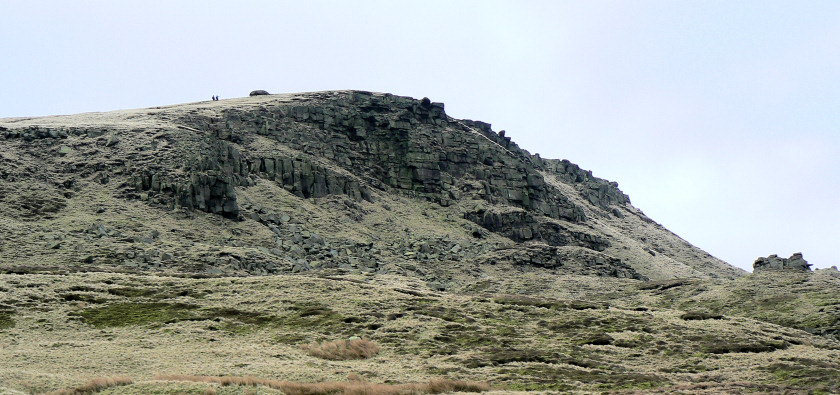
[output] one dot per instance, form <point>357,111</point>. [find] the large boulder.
<point>795,262</point>
<point>259,92</point>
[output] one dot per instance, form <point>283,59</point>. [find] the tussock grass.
<point>341,350</point>
<point>353,387</point>
<point>6,320</point>
<point>95,385</point>
<point>700,315</point>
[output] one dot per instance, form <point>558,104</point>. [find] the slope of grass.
<point>801,300</point>
<point>605,339</point>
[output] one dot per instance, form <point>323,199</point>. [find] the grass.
<point>83,297</point>
<point>129,313</point>
<point>341,350</point>
<point>256,326</point>
<point>548,303</point>
<point>95,385</point>
<point>529,301</point>
<point>312,315</point>
<point>504,356</point>
<point>713,344</point>
<point>542,377</point>
<point>595,338</point>
<point>143,313</point>
<point>130,292</point>
<point>351,387</point>
<point>6,320</point>
<point>807,373</point>
<point>699,315</point>
<point>692,365</point>
<point>792,299</point>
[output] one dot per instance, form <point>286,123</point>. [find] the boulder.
<point>258,92</point>
<point>301,265</point>
<point>112,140</point>
<point>773,262</point>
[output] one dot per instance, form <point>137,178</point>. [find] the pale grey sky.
<point>718,118</point>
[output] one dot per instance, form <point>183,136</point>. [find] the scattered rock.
<point>112,140</point>
<point>301,265</point>
<point>213,271</point>
<point>99,230</point>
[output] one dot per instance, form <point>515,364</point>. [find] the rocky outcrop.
<point>349,150</point>
<point>391,143</point>
<point>598,191</point>
<point>773,262</point>
<point>521,226</point>
<point>408,146</point>
<point>570,260</point>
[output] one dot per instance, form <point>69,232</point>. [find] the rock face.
<point>378,164</point>
<point>392,144</point>
<point>773,262</point>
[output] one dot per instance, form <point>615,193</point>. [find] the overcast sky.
<point>719,119</point>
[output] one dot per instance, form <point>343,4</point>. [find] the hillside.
<point>210,247</point>
<point>346,179</point>
<point>581,333</point>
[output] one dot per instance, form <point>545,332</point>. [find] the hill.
<point>238,245</point>
<point>348,179</point>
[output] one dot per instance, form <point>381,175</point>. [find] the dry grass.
<point>515,346</point>
<point>736,387</point>
<point>341,350</point>
<point>95,385</point>
<point>353,387</point>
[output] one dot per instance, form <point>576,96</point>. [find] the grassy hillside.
<point>61,330</point>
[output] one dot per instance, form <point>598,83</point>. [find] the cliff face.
<point>345,179</point>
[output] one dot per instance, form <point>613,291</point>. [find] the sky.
<point>719,119</point>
